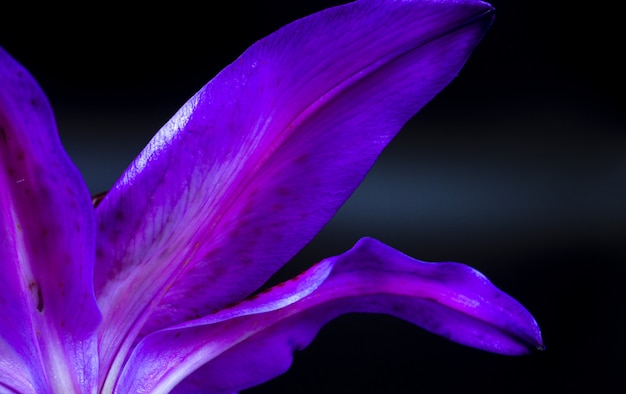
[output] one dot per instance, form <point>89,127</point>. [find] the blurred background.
<point>517,168</point>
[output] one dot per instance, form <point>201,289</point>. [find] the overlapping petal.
<point>47,238</point>
<point>253,341</point>
<point>251,168</point>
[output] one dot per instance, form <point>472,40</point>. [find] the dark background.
<point>518,168</point>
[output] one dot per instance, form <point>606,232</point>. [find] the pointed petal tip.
<point>539,346</point>
<point>470,309</point>
<point>533,346</point>
<point>485,13</point>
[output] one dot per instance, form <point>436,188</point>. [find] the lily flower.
<point>159,287</point>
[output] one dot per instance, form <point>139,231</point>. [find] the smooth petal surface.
<point>250,169</point>
<point>49,313</point>
<point>253,341</point>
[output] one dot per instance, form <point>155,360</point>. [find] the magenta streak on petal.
<point>164,369</point>
<point>230,189</point>
<point>47,238</point>
<point>252,342</point>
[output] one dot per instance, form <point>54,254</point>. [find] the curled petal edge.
<point>253,341</point>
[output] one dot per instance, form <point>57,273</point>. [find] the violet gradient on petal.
<point>157,288</point>
<point>246,173</point>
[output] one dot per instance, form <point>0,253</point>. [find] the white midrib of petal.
<point>53,359</point>
<point>59,374</point>
<point>178,370</point>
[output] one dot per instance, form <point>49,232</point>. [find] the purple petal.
<point>253,341</point>
<point>47,239</point>
<point>251,168</point>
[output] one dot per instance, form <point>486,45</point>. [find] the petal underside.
<point>47,238</point>
<point>253,165</point>
<point>254,341</point>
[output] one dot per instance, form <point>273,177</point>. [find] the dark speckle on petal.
<point>283,191</point>
<point>39,299</point>
<point>119,215</point>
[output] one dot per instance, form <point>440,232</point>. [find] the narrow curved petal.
<point>47,238</point>
<point>254,341</point>
<point>250,169</point>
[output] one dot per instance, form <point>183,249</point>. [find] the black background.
<point>517,168</point>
